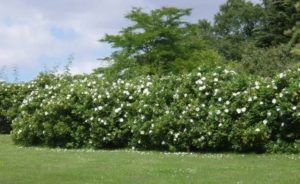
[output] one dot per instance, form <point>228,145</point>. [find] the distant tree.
<point>295,35</point>
<point>238,18</point>
<point>235,24</point>
<point>279,16</point>
<point>157,38</point>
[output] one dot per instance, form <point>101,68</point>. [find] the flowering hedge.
<point>206,110</point>
<point>12,96</point>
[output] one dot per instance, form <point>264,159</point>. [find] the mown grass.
<point>20,165</point>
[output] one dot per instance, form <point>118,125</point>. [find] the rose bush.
<point>206,110</point>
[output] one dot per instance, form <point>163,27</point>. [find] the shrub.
<point>210,109</point>
<point>266,62</point>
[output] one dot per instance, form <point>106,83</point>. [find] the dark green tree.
<point>279,16</point>
<point>238,18</point>
<point>235,25</point>
<point>295,35</point>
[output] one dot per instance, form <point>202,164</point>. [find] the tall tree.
<point>238,18</point>
<point>295,34</point>
<point>156,38</point>
<point>235,24</point>
<point>279,16</point>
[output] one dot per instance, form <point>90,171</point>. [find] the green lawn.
<point>58,166</point>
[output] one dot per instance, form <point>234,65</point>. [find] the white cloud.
<point>84,67</point>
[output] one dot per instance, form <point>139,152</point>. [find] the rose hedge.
<point>206,110</point>
<point>12,96</point>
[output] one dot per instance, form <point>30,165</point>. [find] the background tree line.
<point>259,39</point>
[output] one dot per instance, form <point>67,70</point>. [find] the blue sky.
<point>40,35</point>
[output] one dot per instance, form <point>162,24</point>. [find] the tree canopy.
<point>244,34</point>
<point>156,38</point>
<point>279,16</point>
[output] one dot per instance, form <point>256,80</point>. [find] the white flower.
<point>199,82</point>
<point>257,130</point>
<point>163,142</point>
<point>250,99</point>
<point>220,124</point>
<point>117,110</point>
<point>218,112</point>
<point>274,101</point>
<point>121,120</point>
<point>282,124</point>
<point>201,138</point>
<point>216,79</point>
<point>280,95</point>
<point>226,110</point>
<point>281,75</point>
<point>148,84</point>
<point>220,99</point>
<point>294,108</point>
<point>201,88</point>
<point>227,102</point>
<point>269,114</point>
<point>261,103</point>
<point>176,96</point>
<point>244,109</point>
<point>265,122</point>
<point>238,110</point>
<point>146,91</point>
<point>142,132</point>
<point>46,113</point>
<point>197,109</point>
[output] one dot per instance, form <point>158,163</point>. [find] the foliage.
<point>294,33</point>
<point>238,18</point>
<point>235,24</point>
<point>155,39</point>
<point>279,16</point>
<point>11,96</point>
<point>210,109</point>
<point>266,62</point>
